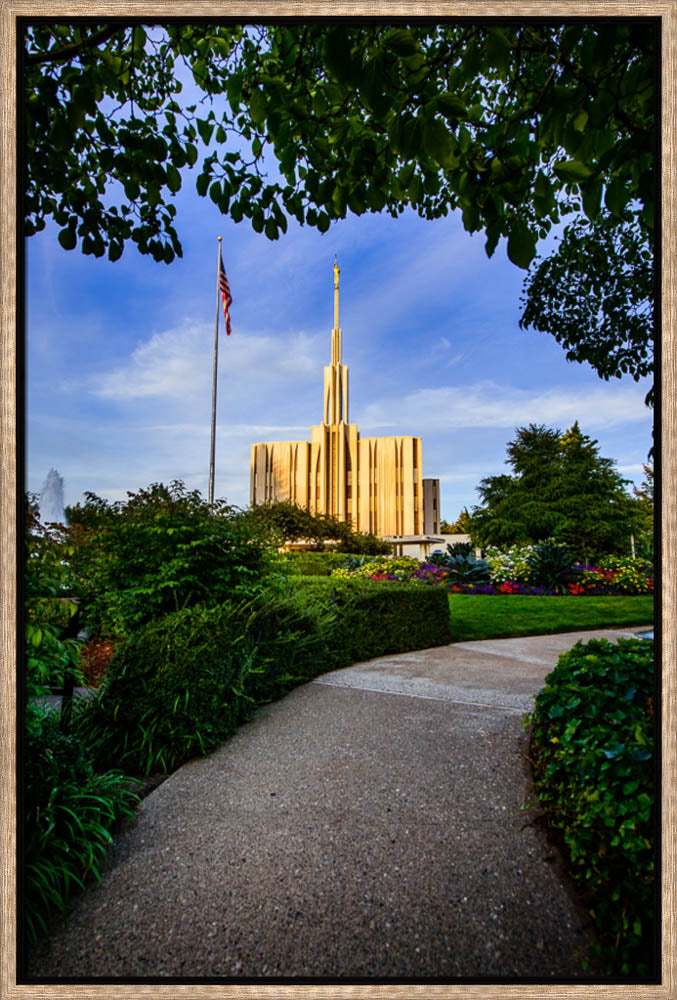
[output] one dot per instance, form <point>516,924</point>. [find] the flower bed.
<point>614,575</point>
<point>508,587</point>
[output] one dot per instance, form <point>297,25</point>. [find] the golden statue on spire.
<point>337,272</point>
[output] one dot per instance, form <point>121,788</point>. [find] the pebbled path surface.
<point>366,826</point>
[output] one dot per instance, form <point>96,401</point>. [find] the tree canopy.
<point>460,526</point>
<point>560,488</point>
<point>514,126</point>
<point>595,296</point>
<point>284,521</point>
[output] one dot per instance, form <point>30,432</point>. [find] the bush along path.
<point>593,745</point>
<point>369,825</point>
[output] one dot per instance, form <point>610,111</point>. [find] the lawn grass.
<point>502,616</point>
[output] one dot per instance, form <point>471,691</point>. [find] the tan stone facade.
<point>374,483</point>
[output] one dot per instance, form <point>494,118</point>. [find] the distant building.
<point>374,483</point>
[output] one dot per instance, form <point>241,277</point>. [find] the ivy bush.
<point>592,745</point>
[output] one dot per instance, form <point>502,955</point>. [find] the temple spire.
<point>336,346</point>
<point>336,374</point>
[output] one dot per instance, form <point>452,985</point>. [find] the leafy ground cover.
<point>504,616</point>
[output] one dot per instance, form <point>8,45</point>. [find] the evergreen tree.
<point>460,526</point>
<point>560,488</point>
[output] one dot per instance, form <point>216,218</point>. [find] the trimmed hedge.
<point>592,745</point>
<point>182,684</point>
<point>374,619</point>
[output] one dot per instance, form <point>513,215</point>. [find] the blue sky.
<point>119,355</point>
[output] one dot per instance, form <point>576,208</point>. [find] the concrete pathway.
<point>368,825</point>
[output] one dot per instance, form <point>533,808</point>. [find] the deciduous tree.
<point>514,126</point>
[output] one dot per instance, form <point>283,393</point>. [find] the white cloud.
<point>636,470</point>
<point>487,404</point>
<point>177,364</point>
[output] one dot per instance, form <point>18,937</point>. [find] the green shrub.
<point>376,619</point>
<point>313,563</point>
<point>592,747</point>
<point>461,564</point>
<point>439,557</point>
<point>69,812</point>
<point>285,521</point>
<point>552,566</point>
<point>51,651</point>
<point>162,550</point>
<point>182,683</point>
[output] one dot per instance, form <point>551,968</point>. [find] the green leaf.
<point>521,245</point>
<point>173,178</point>
<point>338,56</point>
<point>234,91</point>
<point>67,238</point>
<point>498,49</point>
<point>205,128</point>
<point>201,184</point>
<point>402,41</point>
<point>581,120</point>
<point>616,196</point>
<point>437,141</point>
<point>257,107</point>
<point>572,170</point>
<point>592,197</point>
<point>451,106</point>
<point>471,217</point>
<point>493,235</point>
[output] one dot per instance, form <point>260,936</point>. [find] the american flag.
<point>224,288</point>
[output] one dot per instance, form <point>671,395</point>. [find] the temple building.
<point>375,483</point>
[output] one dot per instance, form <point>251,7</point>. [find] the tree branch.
<point>67,52</point>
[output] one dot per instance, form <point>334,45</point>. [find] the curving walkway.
<point>368,825</point>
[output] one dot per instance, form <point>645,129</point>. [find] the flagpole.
<point>214,376</point>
